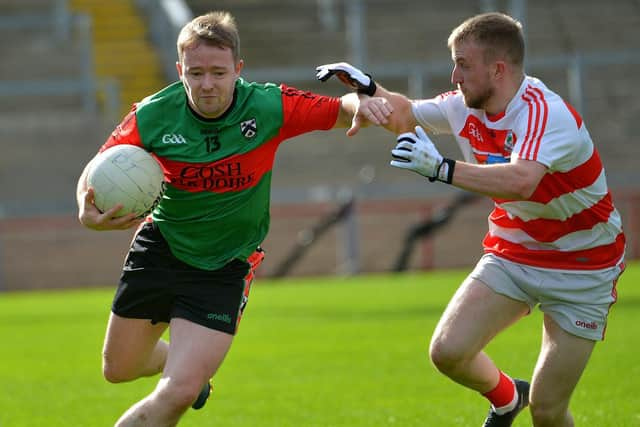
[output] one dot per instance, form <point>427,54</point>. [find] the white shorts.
<point>578,302</point>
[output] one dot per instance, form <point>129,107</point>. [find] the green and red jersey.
<point>218,171</point>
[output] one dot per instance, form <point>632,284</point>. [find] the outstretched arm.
<point>516,180</point>
<point>353,116</point>
<point>376,105</point>
<point>416,152</point>
<point>401,119</point>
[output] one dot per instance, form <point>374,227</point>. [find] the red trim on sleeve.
<point>306,111</point>
<point>125,133</point>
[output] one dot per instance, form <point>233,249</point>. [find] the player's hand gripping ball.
<point>129,175</point>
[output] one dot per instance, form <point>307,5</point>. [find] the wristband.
<point>445,171</point>
<point>369,90</point>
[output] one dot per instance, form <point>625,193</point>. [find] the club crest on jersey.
<point>249,128</point>
<point>508,142</point>
<point>489,145</point>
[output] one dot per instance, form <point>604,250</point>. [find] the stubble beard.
<point>478,101</point>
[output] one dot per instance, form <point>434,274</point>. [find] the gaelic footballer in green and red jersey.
<point>218,171</point>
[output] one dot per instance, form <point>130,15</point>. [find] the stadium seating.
<point>46,132</point>
<point>290,33</point>
<point>122,49</point>
<point>54,134</point>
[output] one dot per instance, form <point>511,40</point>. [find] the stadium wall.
<point>57,252</point>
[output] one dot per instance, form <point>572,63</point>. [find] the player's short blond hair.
<point>500,36</point>
<point>214,29</point>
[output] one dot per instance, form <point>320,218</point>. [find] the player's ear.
<point>239,66</point>
<point>179,69</point>
<point>499,69</point>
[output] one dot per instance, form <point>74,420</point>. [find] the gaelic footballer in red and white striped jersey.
<point>570,222</point>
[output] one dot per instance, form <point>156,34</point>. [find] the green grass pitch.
<point>338,352</point>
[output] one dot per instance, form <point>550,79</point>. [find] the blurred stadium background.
<point>71,68</point>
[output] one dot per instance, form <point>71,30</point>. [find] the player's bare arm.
<point>378,105</point>
<point>352,116</point>
<point>375,109</point>
<point>400,118</point>
<point>91,217</point>
<point>515,181</point>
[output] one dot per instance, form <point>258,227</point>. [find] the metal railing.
<point>419,76</point>
<point>57,19</point>
<point>166,19</point>
<point>63,24</point>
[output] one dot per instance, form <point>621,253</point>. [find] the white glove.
<point>349,75</point>
<point>416,152</point>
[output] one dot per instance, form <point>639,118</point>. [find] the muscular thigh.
<point>195,353</point>
<point>475,315</point>
<point>563,358</point>
<point>129,342</point>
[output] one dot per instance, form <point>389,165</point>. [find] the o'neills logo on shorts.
<point>219,317</point>
<point>586,325</point>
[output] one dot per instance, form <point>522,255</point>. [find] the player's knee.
<point>178,395</point>
<point>446,356</point>
<point>548,414</point>
<point>116,373</point>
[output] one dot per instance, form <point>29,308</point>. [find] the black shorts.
<point>156,285</point>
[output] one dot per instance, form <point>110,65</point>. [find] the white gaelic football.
<point>129,175</point>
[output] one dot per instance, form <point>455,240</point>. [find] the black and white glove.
<point>354,78</point>
<point>416,152</point>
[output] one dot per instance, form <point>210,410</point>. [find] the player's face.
<point>209,74</point>
<point>471,74</point>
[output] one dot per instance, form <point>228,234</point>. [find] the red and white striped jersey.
<point>570,222</point>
